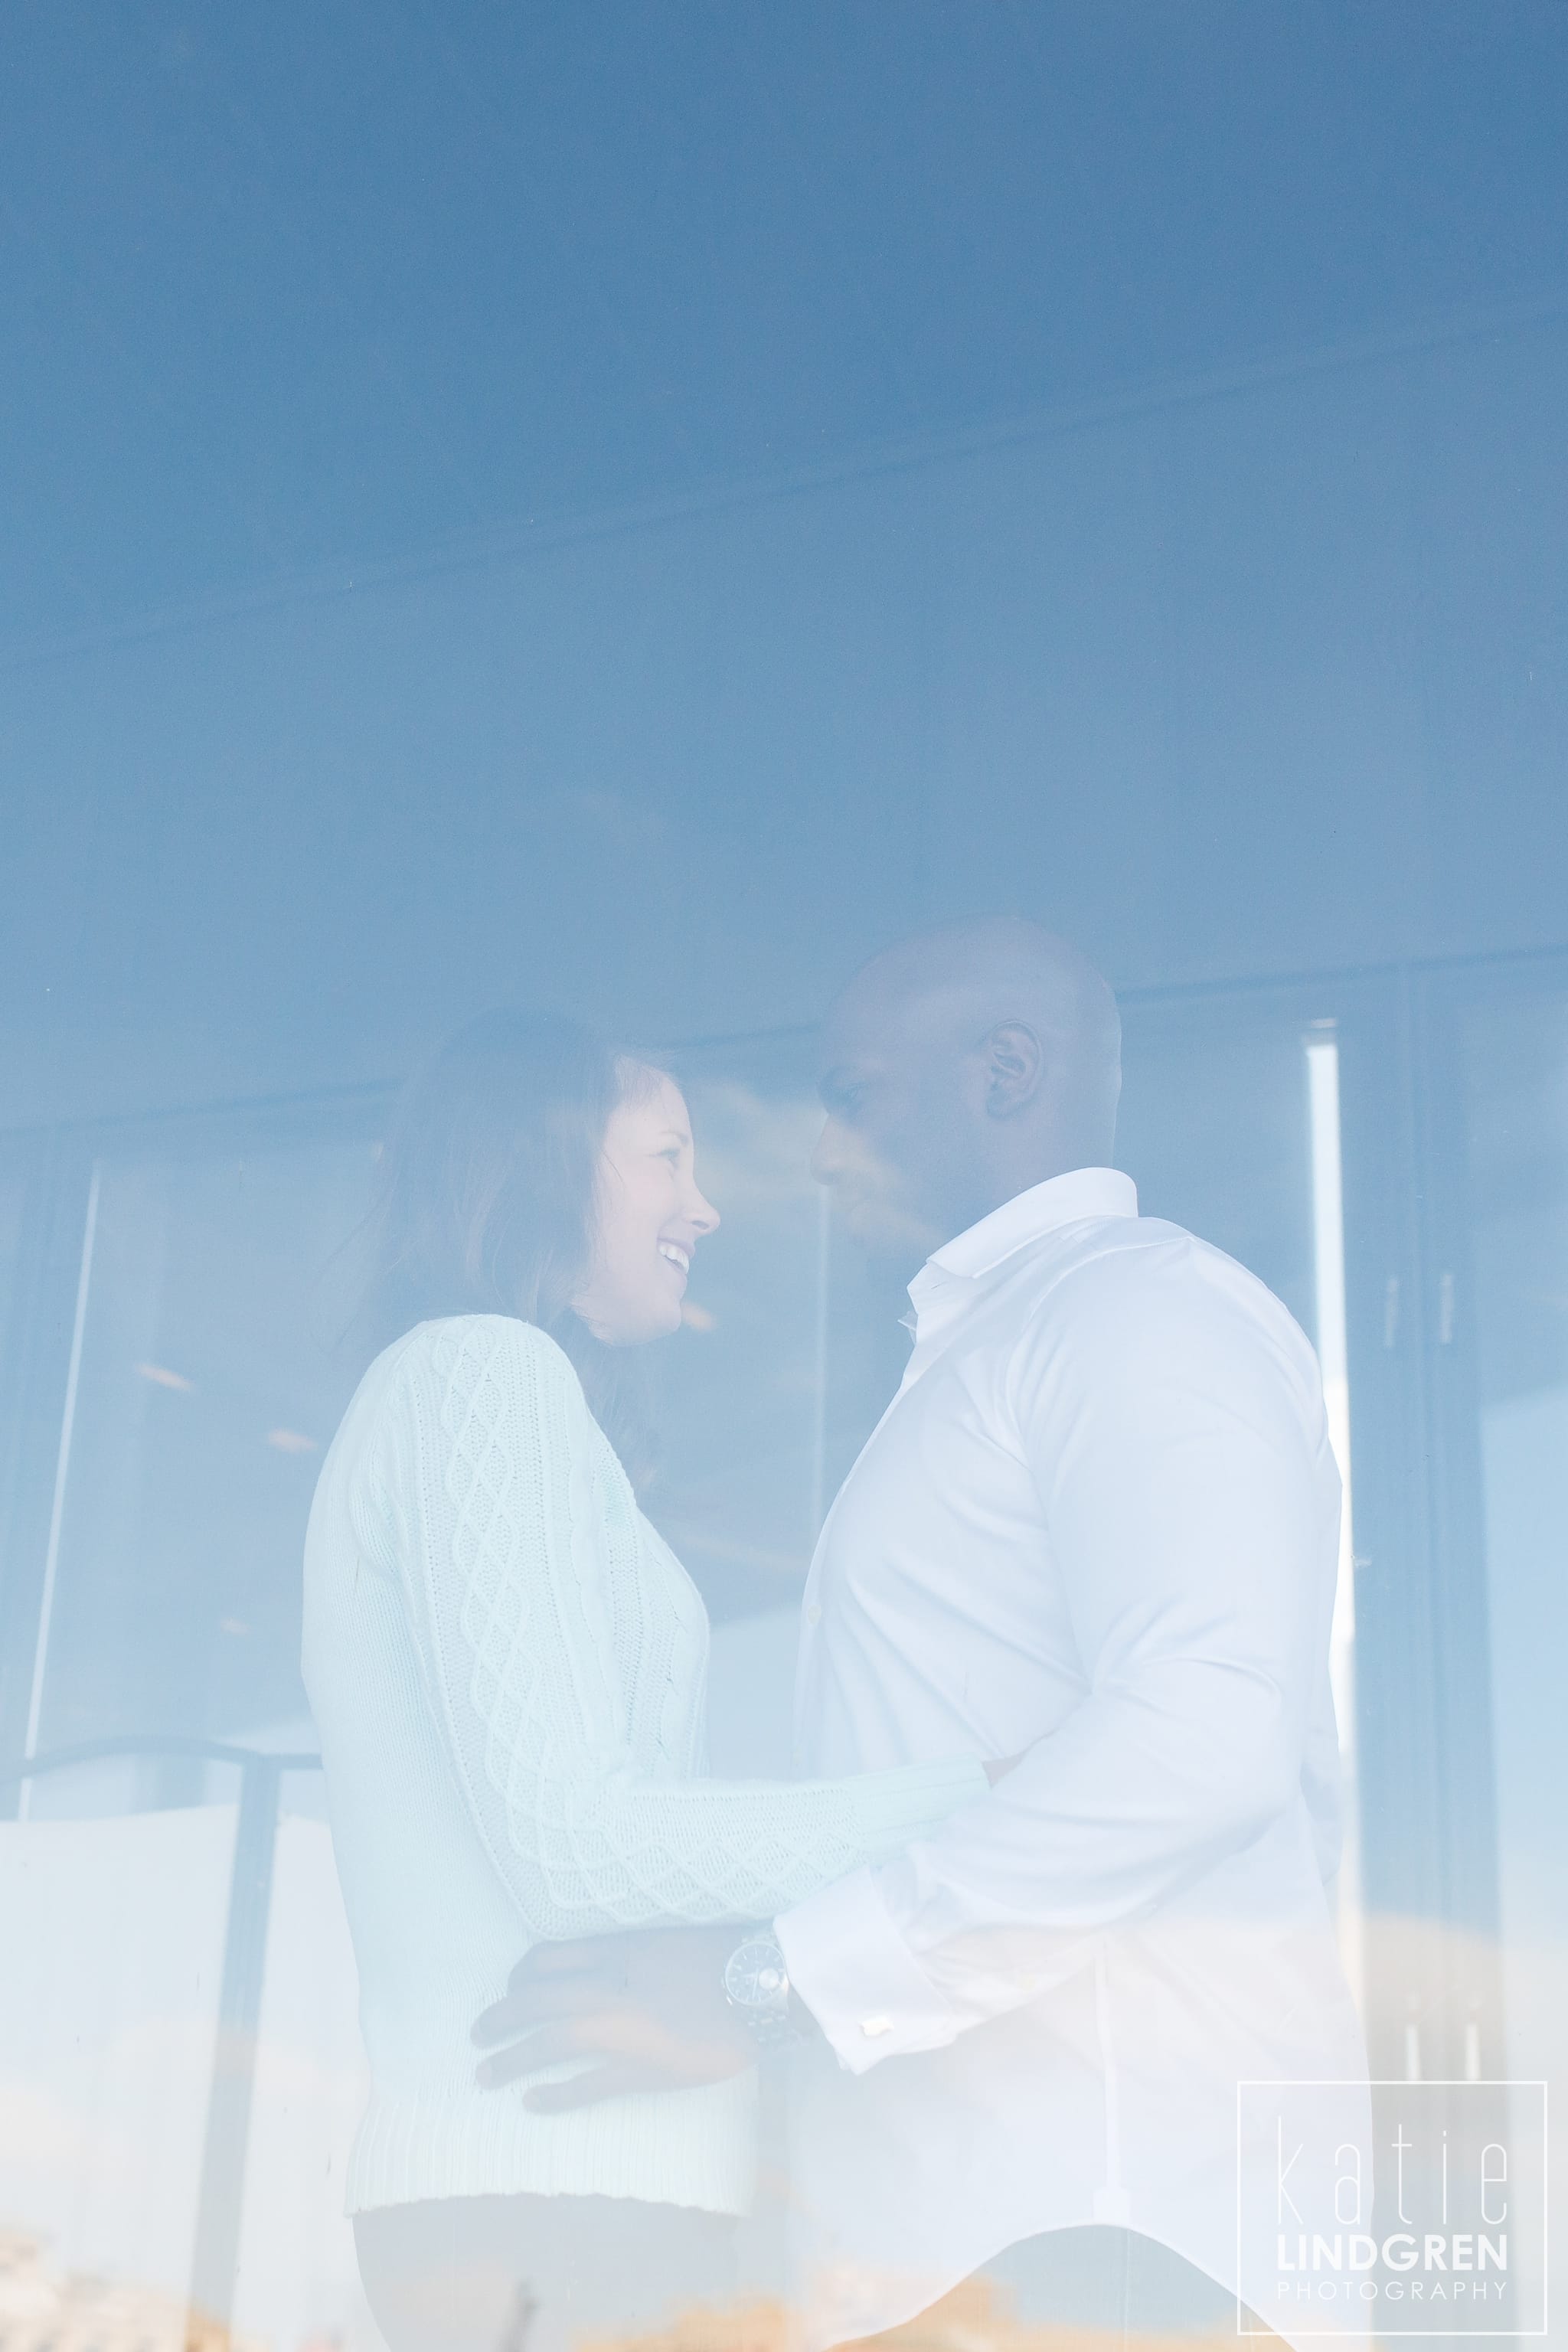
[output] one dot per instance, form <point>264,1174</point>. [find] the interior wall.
<point>1248,682</point>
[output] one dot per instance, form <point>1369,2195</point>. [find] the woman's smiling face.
<point>649,1215</point>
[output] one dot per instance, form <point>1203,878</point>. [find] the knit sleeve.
<point>489,1511</point>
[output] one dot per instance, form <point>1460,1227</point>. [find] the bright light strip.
<point>57,1505</point>
<point>1329,1261</point>
<point>1333,1359</point>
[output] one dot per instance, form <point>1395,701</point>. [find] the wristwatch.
<point>756,1986</point>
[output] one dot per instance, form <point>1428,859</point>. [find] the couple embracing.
<point>1052,1878</point>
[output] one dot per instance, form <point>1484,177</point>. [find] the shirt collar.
<point>1027,1217</point>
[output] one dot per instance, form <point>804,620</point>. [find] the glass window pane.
<point>631,509</point>
<point>209,1383</point>
<point>1514,1058</point>
<point>1516,1111</point>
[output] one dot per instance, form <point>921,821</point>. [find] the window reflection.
<point>1514,1054</point>
<point>204,1381</point>
<point>630,510</point>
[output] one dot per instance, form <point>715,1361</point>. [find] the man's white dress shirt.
<point>1099,1527</point>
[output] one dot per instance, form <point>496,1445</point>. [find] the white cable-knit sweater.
<point>507,1667</point>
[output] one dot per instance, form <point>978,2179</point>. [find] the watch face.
<point>755,1975</point>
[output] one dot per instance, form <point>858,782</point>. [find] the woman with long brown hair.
<point>507,1667</point>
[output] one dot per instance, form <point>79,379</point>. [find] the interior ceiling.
<point>328,281</point>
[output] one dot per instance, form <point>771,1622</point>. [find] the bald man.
<point>1095,1536</point>
<point>959,1069</point>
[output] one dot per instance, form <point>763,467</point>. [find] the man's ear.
<point>1015,1065</point>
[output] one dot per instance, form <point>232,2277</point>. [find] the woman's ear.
<point>1015,1065</point>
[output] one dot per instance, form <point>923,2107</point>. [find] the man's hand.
<point>649,2007</point>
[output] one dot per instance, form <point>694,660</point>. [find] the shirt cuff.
<point>859,1978</point>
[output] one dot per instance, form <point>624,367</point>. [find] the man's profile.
<point>1096,1532</point>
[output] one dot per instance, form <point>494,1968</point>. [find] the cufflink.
<point>873,2026</point>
